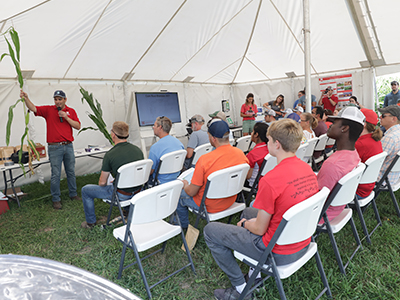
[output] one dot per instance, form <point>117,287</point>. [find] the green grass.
<point>36,229</point>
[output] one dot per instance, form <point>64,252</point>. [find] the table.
<point>27,277</point>
<point>45,160</point>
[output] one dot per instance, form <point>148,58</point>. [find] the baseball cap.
<point>218,128</point>
<point>195,118</point>
<point>351,113</point>
<point>59,93</point>
<point>370,116</point>
<point>288,111</point>
<point>394,110</point>
<point>218,114</point>
<point>329,88</point>
<point>298,108</point>
<point>270,112</point>
<point>394,82</point>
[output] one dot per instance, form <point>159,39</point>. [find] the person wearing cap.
<point>248,112</point>
<point>368,145</point>
<point>60,120</point>
<point>345,129</point>
<point>165,144</point>
<point>197,138</point>
<point>269,116</point>
<point>224,156</point>
<point>120,154</point>
<point>292,114</point>
<point>328,99</point>
<point>394,96</point>
<point>390,119</point>
<point>253,233</point>
<point>219,115</point>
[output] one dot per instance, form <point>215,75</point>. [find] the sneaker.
<point>57,205</point>
<point>229,294</point>
<point>256,281</point>
<point>87,225</point>
<point>76,198</point>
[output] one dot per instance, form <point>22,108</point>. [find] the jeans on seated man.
<point>122,153</point>
<point>224,156</point>
<point>277,193</point>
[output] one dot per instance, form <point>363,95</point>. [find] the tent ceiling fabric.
<point>220,42</point>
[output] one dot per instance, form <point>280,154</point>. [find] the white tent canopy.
<point>206,50</point>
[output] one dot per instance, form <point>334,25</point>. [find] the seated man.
<point>390,120</point>
<point>166,144</point>
<point>119,155</point>
<point>259,223</point>
<point>197,138</point>
<point>346,129</point>
<point>224,156</point>
<point>269,116</point>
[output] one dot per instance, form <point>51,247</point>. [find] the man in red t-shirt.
<point>224,156</point>
<point>328,99</point>
<point>289,183</point>
<point>60,119</point>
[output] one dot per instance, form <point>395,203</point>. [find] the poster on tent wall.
<point>342,86</point>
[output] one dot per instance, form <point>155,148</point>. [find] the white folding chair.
<point>342,194</point>
<point>128,176</point>
<point>146,227</point>
<point>222,184</point>
<point>243,143</point>
<point>301,151</point>
<point>380,187</point>
<point>298,224</point>
<point>370,175</point>
<point>198,152</point>
<point>268,164</point>
<point>232,142</point>
<point>329,142</point>
<point>310,149</point>
<point>170,163</point>
<point>319,147</point>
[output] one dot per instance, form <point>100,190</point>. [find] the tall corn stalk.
<point>14,54</point>
<point>97,117</point>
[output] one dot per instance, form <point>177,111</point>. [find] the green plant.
<point>97,118</point>
<point>14,54</point>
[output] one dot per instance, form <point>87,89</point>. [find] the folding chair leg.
<point>396,205</point>
<point>320,267</point>
<point>335,249</point>
<point>197,221</point>
<point>188,252</point>
<point>361,217</point>
<point>358,241</point>
<point>109,214</point>
<point>278,280</point>
<point>139,262</point>
<point>378,219</point>
<point>121,264</point>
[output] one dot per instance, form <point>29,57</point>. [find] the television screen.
<point>149,106</point>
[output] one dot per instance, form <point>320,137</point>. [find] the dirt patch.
<point>48,229</point>
<point>85,250</point>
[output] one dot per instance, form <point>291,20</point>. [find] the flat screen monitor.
<point>149,106</point>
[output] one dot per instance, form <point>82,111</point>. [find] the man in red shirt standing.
<point>328,99</point>
<point>60,119</point>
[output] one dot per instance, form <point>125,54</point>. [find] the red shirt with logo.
<point>57,131</point>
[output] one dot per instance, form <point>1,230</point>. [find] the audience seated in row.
<point>197,138</point>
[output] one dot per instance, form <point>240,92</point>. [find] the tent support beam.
<point>307,53</point>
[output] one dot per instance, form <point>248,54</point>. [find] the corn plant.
<point>97,116</point>
<point>14,54</point>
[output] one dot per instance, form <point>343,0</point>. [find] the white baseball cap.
<point>351,113</point>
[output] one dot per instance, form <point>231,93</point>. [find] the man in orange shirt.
<point>224,156</point>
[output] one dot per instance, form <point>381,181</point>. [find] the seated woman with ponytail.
<point>260,150</point>
<point>367,145</point>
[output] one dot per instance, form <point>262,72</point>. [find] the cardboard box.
<point>24,148</point>
<point>5,153</point>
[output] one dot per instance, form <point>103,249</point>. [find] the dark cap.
<point>394,82</point>
<point>329,88</point>
<point>394,110</point>
<point>59,93</point>
<point>218,128</point>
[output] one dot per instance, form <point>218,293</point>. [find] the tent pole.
<point>307,53</point>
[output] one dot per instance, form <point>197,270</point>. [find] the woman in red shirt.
<point>248,112</point>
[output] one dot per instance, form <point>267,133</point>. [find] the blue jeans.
<point>57,155</point>
<point>91,191</point>
<point>185,201</point>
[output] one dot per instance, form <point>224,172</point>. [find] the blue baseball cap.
<point>218,128</point>
<point>59,93</point>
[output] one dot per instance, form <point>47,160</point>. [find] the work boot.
<point>76,198</point>
<point>57,205</point>
<point>87,225</point>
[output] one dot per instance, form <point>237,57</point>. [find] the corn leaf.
<point>15,39</point>
<point>16,64</point>
<point>87,128</point>
<point>4,55</point>
<point>32,145</point>
<point>10,118</point>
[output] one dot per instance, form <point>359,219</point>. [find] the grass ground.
<point>36,229</point>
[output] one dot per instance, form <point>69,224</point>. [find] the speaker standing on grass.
<point>60,119</point>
